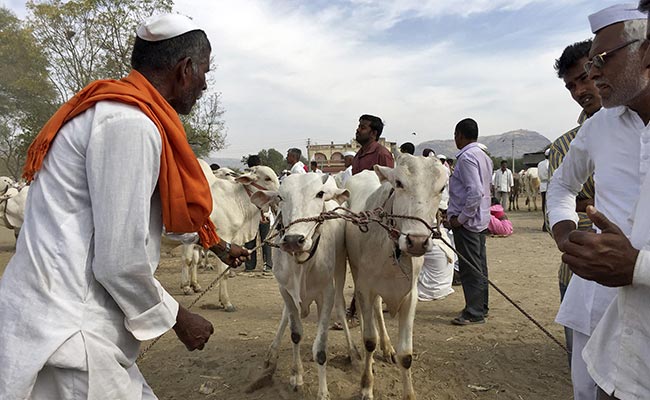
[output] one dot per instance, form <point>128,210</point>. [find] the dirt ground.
<point>507,358</point>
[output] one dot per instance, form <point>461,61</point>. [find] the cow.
<point>387,266</point>
<point>13,197</point>
<point>309,267</point>
<point>225,173</point>
<point>235,216</point>
<point>513,201</point>
<point>530,186</point>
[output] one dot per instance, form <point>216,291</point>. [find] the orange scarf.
<point>184,191</point>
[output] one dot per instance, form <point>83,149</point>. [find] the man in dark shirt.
<point>371,153</point>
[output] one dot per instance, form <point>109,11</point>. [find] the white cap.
<point>442,156</point>
<point>547,152</point>
<point>614,14</point>
<point>482,146</point>
<point>165,26</point>
<point>349,154</point>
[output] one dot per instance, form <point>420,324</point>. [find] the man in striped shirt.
<point>570,68</point>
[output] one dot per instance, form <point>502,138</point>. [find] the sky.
<point>290,71</point>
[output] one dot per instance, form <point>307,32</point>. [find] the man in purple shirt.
<point>468,215</point>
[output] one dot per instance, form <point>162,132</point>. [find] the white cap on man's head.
<point>614,14</point>
<point>547,152</point>
<point>165,26</point>
<point>349,154</point>
<point>442,156</point>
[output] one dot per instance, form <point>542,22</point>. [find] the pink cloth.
<point>497,226</point>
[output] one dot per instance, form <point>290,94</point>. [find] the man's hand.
<point>607,258</point>
<point>234,257</point>
<point>453,222</point>
<point>192,329</point>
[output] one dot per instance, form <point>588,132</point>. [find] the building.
<point>330,156</point>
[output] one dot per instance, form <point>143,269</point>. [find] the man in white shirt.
<point>348,156</point>
<point>80,295</point>
<point>542,171</point>
<point>618,130</point>
<point>293,160</point>
<point>503,181</point>
<point>313,166</point>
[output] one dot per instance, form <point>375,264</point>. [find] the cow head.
<point>259,177</point>
<point>226,173</point>
<point>301,196</point>
<point>417,184</point>
<point>5,184</point>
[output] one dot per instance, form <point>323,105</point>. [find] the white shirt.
<point>80,291</point>
<point>298,168</point>
<point>318,171</point>
<point>611,134</point>
<point>618,353</point>
<point>503,180</point>
<point>542,171</point>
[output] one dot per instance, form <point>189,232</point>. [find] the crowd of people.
<point>90,248</point>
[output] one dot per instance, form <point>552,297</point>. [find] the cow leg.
<point>535,202</point>
<point>405,345</point>
<point>194,279</point>
<point>295,324</point>
<point>339,306</point>
<point>271,360</point>
<point>319,349</point>
<point>384,340</point>
<point>187,258</point>
<point>370,342</point>
<point>224,298</point>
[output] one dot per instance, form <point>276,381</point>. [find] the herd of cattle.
<point>526,182</point>
<point>311,259</point>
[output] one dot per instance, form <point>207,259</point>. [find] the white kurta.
<point>618,353</point>
<point>298,168</point>
<point>611,134</point>
<point>542,171</point>
<point>80,292</point>
<point>503,181</point>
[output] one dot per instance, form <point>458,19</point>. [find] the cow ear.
<point>265,198</point>
<point>385,174</point>
<point>245,179</point>
<point>338,195</point>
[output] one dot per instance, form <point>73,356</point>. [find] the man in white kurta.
<point>503,181</point>
<point>614,132</point>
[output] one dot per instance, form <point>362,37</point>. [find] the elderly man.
<point>110,169</point>
<point>348,156</point>
<point>617,131</point>
<point>293,161</point>
<point>570,68</point>
<point>469,215</point>
<point>542,170</point>
<point>371,153</point>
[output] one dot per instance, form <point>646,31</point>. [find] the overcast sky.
<point>291,70</point>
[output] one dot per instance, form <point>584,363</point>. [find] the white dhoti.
<point>436,276</point>
<point>584,387</point>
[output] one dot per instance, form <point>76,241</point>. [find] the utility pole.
<point>513,153</point>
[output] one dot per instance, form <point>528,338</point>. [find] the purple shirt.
<point>469,188</point>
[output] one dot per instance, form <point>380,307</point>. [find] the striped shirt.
<point>558,150</point>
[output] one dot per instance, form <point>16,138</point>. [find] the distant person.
<point>407,147</point>
<point>313,166</point>
<point>348,156</point>
<point>468,216</point>
<point>503,183</point>
<point>542,170</point>
<point>499,224</point>
<point>293,161</point>
<point>570,68</point>
<point>214,167</point>
<point>371,153</point>
<point>264,227</point>
<point>428,152</point>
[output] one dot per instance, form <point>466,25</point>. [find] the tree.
<point>87,40</point>
<point>271,158</point>
<point>27,98</point>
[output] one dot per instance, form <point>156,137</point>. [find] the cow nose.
<point>294,239</point>
<point>417,244</point>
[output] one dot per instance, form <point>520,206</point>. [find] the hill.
<point>498,145</point>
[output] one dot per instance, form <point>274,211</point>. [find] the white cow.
<point>530,186</point>
<point>13,197</point>
<point>235,216</point>
<point>387,267</point>
<point>310,267</point>
<point>225,173</point>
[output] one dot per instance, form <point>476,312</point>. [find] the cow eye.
<point>320,194</point>
<point>442,190</point>
<point>267,179</point>
<point>399,185</point>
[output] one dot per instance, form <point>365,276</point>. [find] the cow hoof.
<point>390,356</point>
<point>323,396</point>
<point>296,382</point>
<point>187,290</point>
<point>230,308</point>
<point>208,267</point>
<point>366,396</point>
<point>197,288</point>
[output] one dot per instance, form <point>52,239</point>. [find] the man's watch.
<point>225,252</point>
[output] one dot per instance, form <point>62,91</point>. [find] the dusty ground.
<point>508,356</point>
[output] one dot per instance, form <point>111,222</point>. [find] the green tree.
<point>87,40</point>
<point>27,97</point>
<point>272,159</point>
